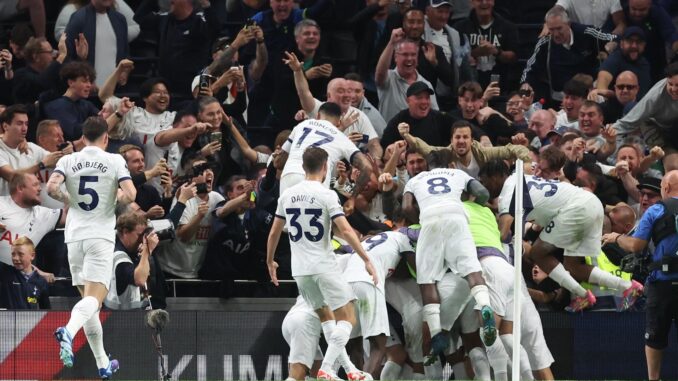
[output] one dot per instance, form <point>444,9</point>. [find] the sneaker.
<point>66,346</point>
<point>631,294</point>
<point>439,344</point>
<point>581,303</point>
<point>489,333</point>
<point>113,366</point>
<point>358,375</point>
<point>325,375</point>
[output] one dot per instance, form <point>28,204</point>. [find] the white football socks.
<point>604,278</point>
<point>95,338</point>
<point>431,314</point>
<point>81,313</point>
<point>390,371</point>
<point>563,278</point>
<point>480,364</point>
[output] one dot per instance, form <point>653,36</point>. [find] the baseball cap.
<point>650,183</point>
<point>418,87</point>
<point>633,31</point>
<point>438,3</point>
<point>562,130</point>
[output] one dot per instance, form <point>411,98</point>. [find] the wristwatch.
<point>41,166</point>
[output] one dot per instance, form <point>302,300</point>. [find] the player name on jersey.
<point>89,164</point>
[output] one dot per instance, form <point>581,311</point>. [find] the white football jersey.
<point>404,296</point>
<point>92,177</point>
<point>308,209</point>
<point>385,250</point>
<point>438,191</point>
<point>32,222</point>
<point>317,133</point>
<point>546,196</point>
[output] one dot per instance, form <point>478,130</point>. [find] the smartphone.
<point>249,22</point>
<point>63,146</point>
<point>495,78</point>
<point>253,196</point>
<point>215,136</point>
<point>365,138</point>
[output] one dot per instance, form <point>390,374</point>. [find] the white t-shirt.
<point>185,259</point>
<point>385,250</point>
<point>17,160</point>
<point>92,177</point>
<point>363,125</point>
<point>33,223</point>
<point>593,12</point>
<point>45,199</point>
<point>562,121</point>
<point>106,50</point>
<point>308,209</point>
<point>547,197</point>
<point>438,191</point>
<point>319,133</point>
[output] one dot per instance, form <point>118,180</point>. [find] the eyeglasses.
<point>648,194</point>
<point>625,87</point>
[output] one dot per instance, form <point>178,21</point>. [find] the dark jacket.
<point>84,20</point>
<point>19,293</point>
<point>434,129</point>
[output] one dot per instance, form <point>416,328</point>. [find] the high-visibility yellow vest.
<point>603,263</point>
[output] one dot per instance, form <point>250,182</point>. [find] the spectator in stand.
<point>185,129</point>
<point>465,153</point>
<point>515,110</point>
<point>432,62</point>
<point>317,70</point>
<point>392,84</point>
<point>14,159</point>
<point>543,122</point>
<point>631,166</point>
<point>148,198</point>
<point>600,140</point>
<point>650,194</point>
<point>494,42</point>
<point>574,95</point>
<point>51,138</point>
<point>185,36</point>
<point>21,286</point>
<point>355,123</point>
<point>41,72</point>
<point>183,258</point>
<point>659,32</point>
<point>239,11</point>
<point>102,31</point>
<point>625,94</point>
<point>629,57</point>
<point>356,88</point>
<point>24,216</point>
<point>237,246</point>
<point>73,5</point>
<point>432,126</point>
<point>485,120</point>
<point>36,10</point>
<point>278,25</point>
<point>568,49</point>
<point>73,108</point>
<point>654,115</point>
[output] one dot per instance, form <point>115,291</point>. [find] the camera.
<point>201,188</point>
<point>165,230</point>
<point>63,146</point>
<point>206,80</point>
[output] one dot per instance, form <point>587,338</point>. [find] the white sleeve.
<point>615,6</point>
<point>506,195</point>
<point>290,139</point>
<point>49,216</point>
<point>409,186</point>
<point>565,4</point>
<point>404,244</point>
<point>39,153</point>
<point>189,212</point>
<point>122,173</point>
<point>133,28</point>
<point>60,166</point>
<point>280,209</point>
<point>465,177</point>
<point>316,107</point>
<point>62,20</point>
<point>333,206</point>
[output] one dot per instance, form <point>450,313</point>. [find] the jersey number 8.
<point>438,185</point>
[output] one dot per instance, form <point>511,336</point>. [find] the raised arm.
<point>54,187</point>
<point>363,164</point>
<point>381,72</point>
<point>303,91</point>
<point>260,61</point>
<point>171,135</point>
<point>121,72</point>
<point>348,234</point>
<point>226,58</point>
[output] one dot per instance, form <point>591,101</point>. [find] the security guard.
<point>659,224</point>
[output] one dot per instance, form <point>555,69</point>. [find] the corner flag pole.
<point>518,264</point>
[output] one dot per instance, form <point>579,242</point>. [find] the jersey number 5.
<point>313,222</point>
<point>83,190</point>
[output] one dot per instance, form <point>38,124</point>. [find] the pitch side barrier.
<point>245,343</point>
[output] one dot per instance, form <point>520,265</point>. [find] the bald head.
<point>670,184</point>
<point>337,92</point>
<point>541,122</point>
<point>626,87</point>
<point>623,218</point>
